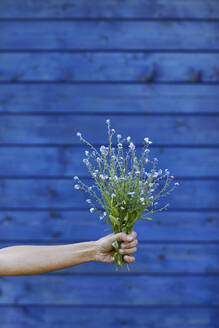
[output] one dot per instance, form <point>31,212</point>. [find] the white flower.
<point>107,121</point>
<point>89,188</point>
<point>176,183</point>
<point>119,145</point>
<point>113,131</point>
<point>77,186</point>
<point>101,217</point>
<point>104,213</point>
<point>123,202</point>
<point>91,209</point>
<point>128,139</point>
<point>115,178</point>
<point>167,172</point>
<point>85,160</point>
<point>131,193</point>
<point>131,146</point>
<point>104,150</point>
<point>142,199</point>
<point>119,136</point>
<point>147,140</point>
<point>113,195</point>
<point>137,172</point>
<point>86,152</point>
<point>122,208</point>
<point>88,201</point>
<point>75,177</point>
<point>78,134</point>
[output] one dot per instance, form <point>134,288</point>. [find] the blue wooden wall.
<point>152,67</point>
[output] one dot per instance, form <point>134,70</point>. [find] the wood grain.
<point>108,35</point>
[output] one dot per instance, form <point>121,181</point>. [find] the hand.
<point>104,247</point>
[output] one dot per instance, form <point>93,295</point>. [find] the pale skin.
<point>31,260</point>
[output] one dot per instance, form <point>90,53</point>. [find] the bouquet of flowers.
<point>126,191</point>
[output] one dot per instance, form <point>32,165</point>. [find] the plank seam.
<point>109,19</point>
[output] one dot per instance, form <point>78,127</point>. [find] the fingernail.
<point>129,238</point>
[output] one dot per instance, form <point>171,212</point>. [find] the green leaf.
<point>113,219</point>
<point>146,218</point>
<point>115,245</point>
<point>114,211</point>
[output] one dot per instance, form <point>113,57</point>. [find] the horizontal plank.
<point>59,129</point>
<point>36,161</point>
<point>110,9</point>
<point>69,316</point>
<point>154,259</point>
<point>133,35</point>
<point>53,193</point>
<point>110,290</point>
<point>140,67</point>
<point>134,98</point>
<point>50,226</point>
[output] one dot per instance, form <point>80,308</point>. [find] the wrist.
<point>91,251</point>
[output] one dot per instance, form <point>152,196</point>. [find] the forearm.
<point>29,259</point>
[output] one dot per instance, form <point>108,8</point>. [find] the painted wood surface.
<point>107,35</point>
<point>111,97</point>
<point>70,315</point>
<point>152,68</point>
<point>60,194</point>
<point>68,160</point>
<point>80,225</point>
<point>110,9</point>
<point>166,290</point>
<point>62,129</point>
<point>137,67</point>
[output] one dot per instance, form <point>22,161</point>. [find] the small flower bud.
<point>77,186</point>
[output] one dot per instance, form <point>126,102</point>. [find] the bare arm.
<point>30,259</point>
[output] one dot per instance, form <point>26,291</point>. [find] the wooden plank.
<point>110,9</point>
<point>154,259</point>
<point>63,35</point>
<point>61,129</point>
<point>114,98</point>
<point>50,226</point>
<point>59,193</point>
<point>111,317</point>
<point>110,290</point>
<point>36,161</point>
<point>139,67</point>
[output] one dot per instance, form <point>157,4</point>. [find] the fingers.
<point>130,244</point>
<point>127,250</point>
<point>122,236</point>
<point>129,259</point>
